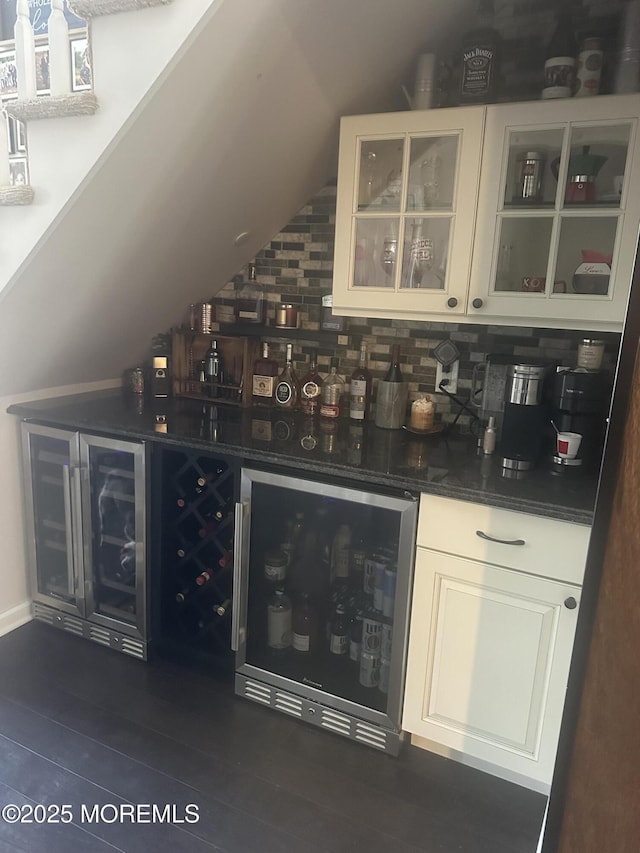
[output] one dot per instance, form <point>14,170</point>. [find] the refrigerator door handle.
<point>68,515</point>
<point>238,620</point>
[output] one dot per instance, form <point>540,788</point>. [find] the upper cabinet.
<point>525,214</point>
<point>407,191</point>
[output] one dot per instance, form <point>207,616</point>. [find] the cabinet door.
<point>407,188</point>
<point>558,212</point>
<point>489,655</point>
<point>51,464</point>
<point>113,512</point>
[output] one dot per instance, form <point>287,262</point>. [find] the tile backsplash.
<point>297,267</point>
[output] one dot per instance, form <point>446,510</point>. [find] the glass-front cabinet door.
<point>407,188</point>
<point>51,464</point>
<point>113,512</point>
<point>557,228</point>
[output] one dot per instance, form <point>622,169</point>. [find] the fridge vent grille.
<point>73,626</point>
<point>132,647</point>
<point>257,692</point>
<point>371,735</point>
<point>336,722</point>
<point>42,613</point>
<point>99,635</point>
<point>289,704</point>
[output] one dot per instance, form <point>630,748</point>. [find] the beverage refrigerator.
<point>322,582</point>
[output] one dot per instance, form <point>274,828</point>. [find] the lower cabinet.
<point>490,648</point>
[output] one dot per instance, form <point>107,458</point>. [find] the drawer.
<point>546,547</point>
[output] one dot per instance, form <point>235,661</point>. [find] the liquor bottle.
<point>332,392</point>
<point>279,621</point>
<point>339,637</point>
<point>341,553</point>
<point>310,386</point>
<point>560,62</point>
<point>265,370</point>
<point>213,369</point>
<point>391,402</point>
<point>287,390</point>
<point>305,625</point>
<point>479,58</point>
<point>250,301</point>
<point>360,388</point>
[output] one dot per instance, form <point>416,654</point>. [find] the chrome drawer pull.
<point>486,536</point>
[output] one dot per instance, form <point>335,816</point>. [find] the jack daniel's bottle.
<point>479,59</point>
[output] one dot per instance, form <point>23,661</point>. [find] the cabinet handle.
<point>477,302</point>
<point>486,536</point>
<point>570,603</point>
<point>66,493</point>
<point>452,302</point>
<point>238,576</point>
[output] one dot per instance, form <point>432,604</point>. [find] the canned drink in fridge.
<point>371,634</point>
<point>389,594</point>
<point>383,675</point>
<point>369,669</point>
<point>378,584</point>
<point>371,566</point>
<point>385,641</point>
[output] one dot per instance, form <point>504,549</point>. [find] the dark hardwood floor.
<point>82,725</point>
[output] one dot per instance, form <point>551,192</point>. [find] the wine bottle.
<point>192,492</point>
<point>360,388</point>
<point>265,371</point>
<point>479,58</point>
<point>213,369</point>
<point>200,580</point>
<point>287,390</point>
<point>560,63</point>
<point>332,392</point>
<point>394,374</point>
<point>310,386</point>
<point>305,625</point>
<point>339,637</point>
<point>279,622</point>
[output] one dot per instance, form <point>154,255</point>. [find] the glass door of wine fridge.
<point>322,587</point>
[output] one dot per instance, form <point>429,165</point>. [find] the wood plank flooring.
<point>82,725</point>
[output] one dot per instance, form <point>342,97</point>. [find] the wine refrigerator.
<point>86,533</point>
<point>322,578</point>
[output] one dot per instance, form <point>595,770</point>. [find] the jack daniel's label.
<point>478,64</point>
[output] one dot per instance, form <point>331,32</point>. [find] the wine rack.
<point>196,554</point>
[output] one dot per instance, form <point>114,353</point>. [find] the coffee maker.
<point>579,403</point>
<point>525,418</point>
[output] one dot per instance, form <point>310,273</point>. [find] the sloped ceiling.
<point>240,132</point>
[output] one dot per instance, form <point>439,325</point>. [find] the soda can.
<point>385,641</point>
<point>378,584</point>
<point>371,634</point>
<point>389,591</point>
<point>369,669</point>
<point>383,675</point>
<point>371,567</point>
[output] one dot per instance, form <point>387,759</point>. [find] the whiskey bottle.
<point>332,392</point>
<point>310,386</point>
<point>360,388</point>
<point>287,390</point>
<point>479,59</point>
<point>250,301</point>
<point>265,371</point>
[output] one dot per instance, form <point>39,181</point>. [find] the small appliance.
<point>525,417</point>
<point>579,403</point>
<point>160,382</point>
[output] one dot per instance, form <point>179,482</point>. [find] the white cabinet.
<point>407,190</point>
<point>525,214</point>
<point>490,644</point>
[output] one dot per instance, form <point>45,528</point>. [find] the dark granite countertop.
<point>446,465</point>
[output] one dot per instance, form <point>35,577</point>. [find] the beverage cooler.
<point>86,518</point>
<point>321,591</point>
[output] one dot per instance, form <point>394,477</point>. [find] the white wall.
<point>15,606</point>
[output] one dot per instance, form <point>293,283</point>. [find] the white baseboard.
<point>14,618</point>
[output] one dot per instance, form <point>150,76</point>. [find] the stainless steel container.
<point>524,384</point>
<point>530,176</point>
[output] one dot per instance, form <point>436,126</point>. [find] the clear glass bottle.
<point>287,391</point>
<point>305,625</point>
<point>250,300</point>
<point>265,371</point>
<point>332,392</point>
<point>360,387</point>
<point>279,627</point>
<point>479,58</point>
<point>310,386</point>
